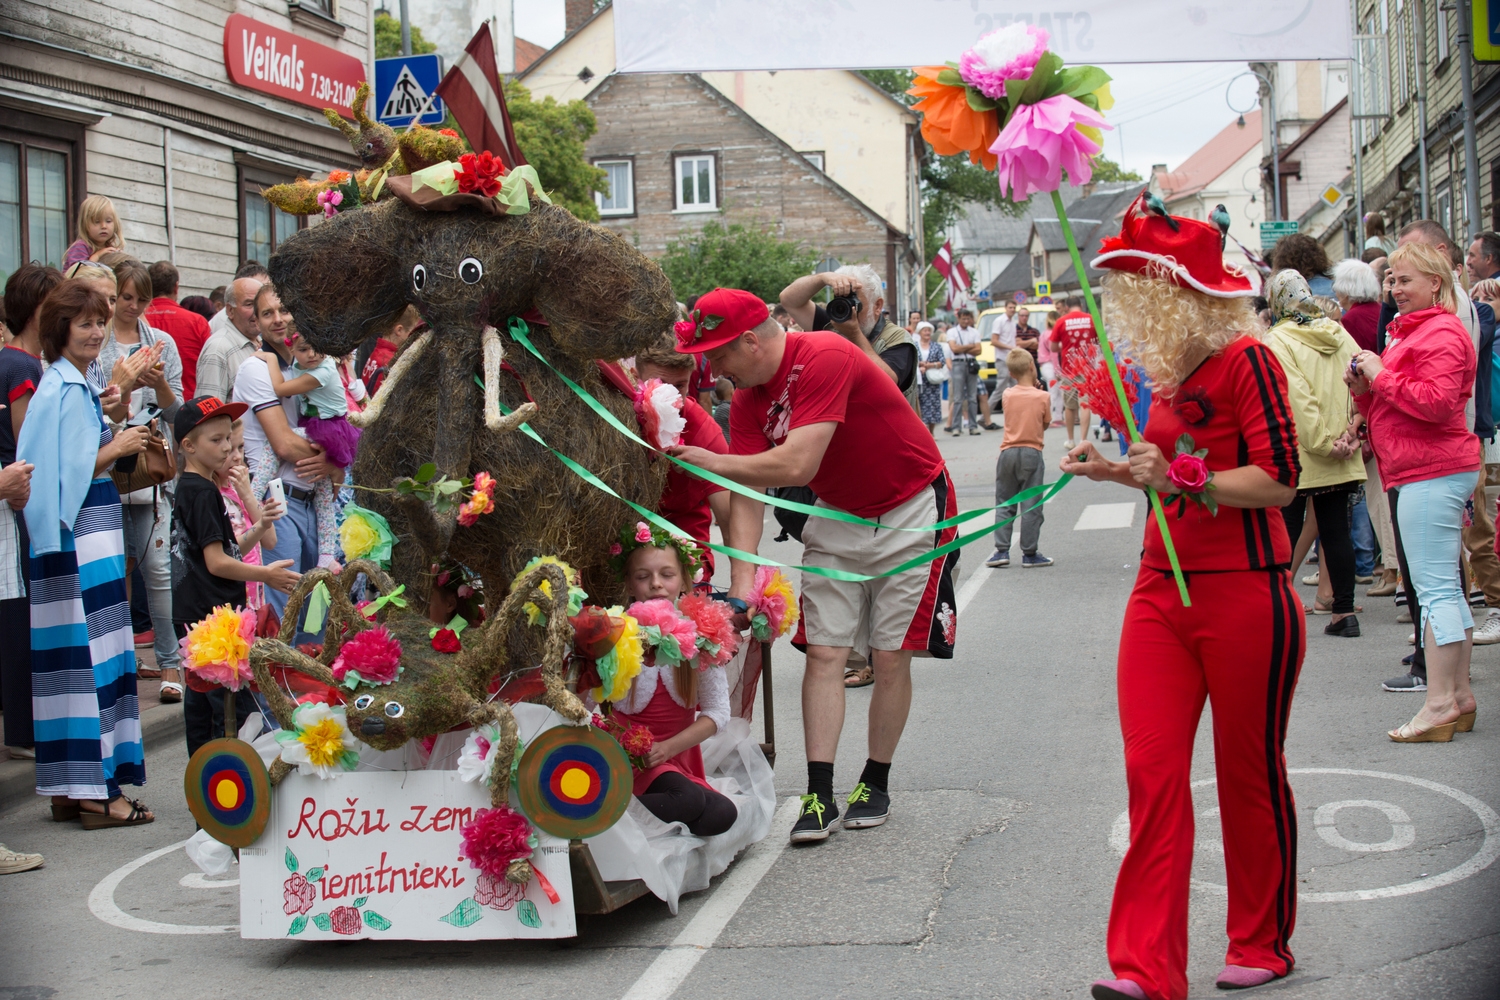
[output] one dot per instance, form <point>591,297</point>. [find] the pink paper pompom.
<point>665,616</point>
<point>658,409</point>
<point>712,620</point>
<point>1041,141</point>
<point>375,653</point>
<point>1008,54</point>
<point>494,838</point>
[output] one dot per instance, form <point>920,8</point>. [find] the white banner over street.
<point>663,36</point>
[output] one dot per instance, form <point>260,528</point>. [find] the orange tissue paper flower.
<point>948,123</point>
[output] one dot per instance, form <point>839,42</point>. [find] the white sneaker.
<point>1311,579</point>
<point>1404,617</point>
<point>1487,632</point>
<point>12,862</point>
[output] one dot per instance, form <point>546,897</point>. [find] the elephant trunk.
<point>452,443</point>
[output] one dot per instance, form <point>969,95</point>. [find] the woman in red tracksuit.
<point>1240,643</point>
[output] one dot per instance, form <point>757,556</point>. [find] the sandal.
<point>62,812</point>
<point>858,677</point>
<point>139,816</point>
<point>147,673</point>
<point>1319,608</point>
<point>171,692</point>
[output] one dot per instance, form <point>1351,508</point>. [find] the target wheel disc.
<point>228,791</point>
<point>574,782</point>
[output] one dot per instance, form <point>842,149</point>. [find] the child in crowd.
<point>206,560</point>
<point>383,354</point>
<point>253,522</point>
<point>325,410</point>
<point>1028,411</point>
<point>98,231</point>
<point>680,704</point>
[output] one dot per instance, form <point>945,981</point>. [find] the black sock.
<point>876,774</point>
<point>820,780</point>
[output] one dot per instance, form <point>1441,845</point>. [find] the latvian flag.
<point>472,90</point>
<point>953,270</point>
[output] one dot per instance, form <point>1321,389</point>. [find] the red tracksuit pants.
<point>1241,646</point>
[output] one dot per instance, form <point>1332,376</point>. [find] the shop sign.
<point>272,61</point>
<point>376,854</point>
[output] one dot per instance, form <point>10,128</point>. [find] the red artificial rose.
<point>346,920</point>
<point>480,173</point>
<point>1194,407</point>
<point>637,741</point>
<point>299,895</point>
<point>446,641</point>
<point>1188,473</point>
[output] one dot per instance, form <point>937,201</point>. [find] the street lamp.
<point>1275,139</point>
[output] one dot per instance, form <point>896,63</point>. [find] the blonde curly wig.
<point>1166,325</point>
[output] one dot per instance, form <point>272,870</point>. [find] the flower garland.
<point>658,409</point>
<point>671,635</point>
<point>641,534</point>
<point>717,638</point>
<point>372,657</point>
<point>364,534</point>
<point>773,604</point>
<point>319,741</point>
<point>576,594</point>
<point>217,649</point>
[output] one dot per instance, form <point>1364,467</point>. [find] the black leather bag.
<point>791,521</point>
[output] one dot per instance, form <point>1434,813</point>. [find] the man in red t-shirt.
<point>691,503</point>
<point>812,409</point>
<point>188,330</point>
<point>1076,344</point>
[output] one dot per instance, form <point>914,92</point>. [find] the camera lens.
<point>842,308</point>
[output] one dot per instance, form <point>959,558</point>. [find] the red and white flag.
<point>473,92</point>
<point>953,270</point>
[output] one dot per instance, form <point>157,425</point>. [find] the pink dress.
<point>665,718</point>
<point>239,517</point>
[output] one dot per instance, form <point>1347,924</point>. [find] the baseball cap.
<point>201,408</point>
<point>717,318</point>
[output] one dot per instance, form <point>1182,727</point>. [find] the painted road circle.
<point>1403,832</point>
<point>1489,850</point>
<point>102,902</point>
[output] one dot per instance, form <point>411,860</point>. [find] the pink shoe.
<point>1240,977</point>
<point>1117,989</point>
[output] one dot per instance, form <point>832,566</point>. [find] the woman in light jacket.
<point>1315,351</point>
<point>1413,398</point>
<point>87,718</point>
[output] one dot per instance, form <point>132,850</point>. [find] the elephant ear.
<point>603,298</point>
<point>343,279</point>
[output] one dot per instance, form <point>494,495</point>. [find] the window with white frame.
<point>696,186</point>
<point>620,175</point>
<point>815,157</point>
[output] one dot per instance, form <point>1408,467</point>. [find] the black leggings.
<point>1335,543</point>
<point>675,798</point>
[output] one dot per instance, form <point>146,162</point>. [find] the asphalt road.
<point>992,878</point>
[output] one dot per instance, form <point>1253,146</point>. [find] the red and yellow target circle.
<point>574,781</point>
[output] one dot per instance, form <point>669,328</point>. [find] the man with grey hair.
<point>888,345</point>
<point>228,349</point>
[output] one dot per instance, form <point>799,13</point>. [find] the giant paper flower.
<point>1041,141</point>
<point>366,535</point>
<point>479,749</point>
<point>622,663</point>
<point>1008,54</point>
<point>371,657</point>
<point>576,594</point>
<point>773,604</point>
<point>319,741</point>
<point>949,124</point>
<point>658,409</point>
<point>672,634</point>
<point>716,635</point>
<point>494,838</point>
<point>217,649</point>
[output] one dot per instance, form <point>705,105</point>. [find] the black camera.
<point>843,308</point>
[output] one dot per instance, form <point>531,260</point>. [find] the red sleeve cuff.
<point>21,390</point>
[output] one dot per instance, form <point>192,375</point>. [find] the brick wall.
<point>761,182</point>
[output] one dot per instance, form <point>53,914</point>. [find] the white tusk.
<point>371,413</point>
<point>494,354</point>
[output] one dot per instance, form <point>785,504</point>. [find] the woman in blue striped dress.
<point>87,719</point>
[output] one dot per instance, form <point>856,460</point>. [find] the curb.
<point>159,724</point>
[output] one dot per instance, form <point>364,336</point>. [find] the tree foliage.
<point>1107,170</point>
<point>552,137</point>
<point>738,256</point>
<point>388,37</point>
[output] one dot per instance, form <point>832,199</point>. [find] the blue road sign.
<point>402,85</point>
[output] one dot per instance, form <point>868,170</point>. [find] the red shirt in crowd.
<point>377,365</point>
<point>188,330</point>
<point>1362,321</point>
<point>881,454</point>
<point>1235,405</point>
<point>1075,342</point>
<point>684,501</point>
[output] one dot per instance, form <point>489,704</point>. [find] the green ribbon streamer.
<point>1041,494</point>
<point>518,332</point>
<point>394,597</point>
<point>1114,377</point>
<point>317,608</point>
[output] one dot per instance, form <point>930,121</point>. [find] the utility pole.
<point>1423,187</point>
<point>405,30</point>
<point>1471,153</point>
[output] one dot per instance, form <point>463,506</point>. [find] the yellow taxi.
<point>1042,316</point>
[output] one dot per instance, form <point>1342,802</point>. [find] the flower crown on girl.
<point>641,534</point>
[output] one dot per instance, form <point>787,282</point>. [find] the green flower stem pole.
<point>1114,376</point>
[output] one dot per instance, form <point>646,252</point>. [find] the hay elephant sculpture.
<point>468,272</point>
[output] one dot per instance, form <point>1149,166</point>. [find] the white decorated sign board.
<point>375,854</point>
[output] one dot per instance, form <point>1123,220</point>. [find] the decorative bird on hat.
<point>1158,206</point>
<point>1220,217</point>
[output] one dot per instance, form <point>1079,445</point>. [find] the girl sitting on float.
<point>681,693</point>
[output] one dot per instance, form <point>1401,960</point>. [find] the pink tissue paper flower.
<point>1008,54</point>
<point>642,533</point>
<point>664,615</point>
<point>1041,141</point>
<point>375,653</point>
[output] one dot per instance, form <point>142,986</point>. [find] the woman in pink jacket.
<point>1413,399</point>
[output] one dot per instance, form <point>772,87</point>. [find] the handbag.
<point>938,375</point>
<point>152,467</point>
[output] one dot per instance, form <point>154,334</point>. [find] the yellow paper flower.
<point>629,657</point>
<point>576,594</point>
<point>218,647</point>
<point>357,537</point>
<point>324,741</point>
<point>319,741</point>
<point>780,587</point>
<point>1106,101</point>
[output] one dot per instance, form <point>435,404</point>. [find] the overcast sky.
<point>1162,113</point>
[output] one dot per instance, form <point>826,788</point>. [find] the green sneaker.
<point>868,806</point>
<point>817,821</point>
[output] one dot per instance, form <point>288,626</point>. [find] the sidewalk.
<point>159,724</point>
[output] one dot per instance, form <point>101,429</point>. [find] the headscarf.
<point>1291,299</point>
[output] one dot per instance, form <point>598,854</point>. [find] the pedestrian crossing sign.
<point>403,85</point>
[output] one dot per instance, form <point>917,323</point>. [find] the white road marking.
<point>198,880</point>
<point>1101,516</point>
<point>1489,850</point>
<point>972,586</point>
<point>673,965</point>
<point>1403,833</point>
<point>102,902</point>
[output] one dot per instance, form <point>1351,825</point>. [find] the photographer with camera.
<point>856,312</point>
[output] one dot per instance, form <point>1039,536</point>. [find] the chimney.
<point>576,12</point>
